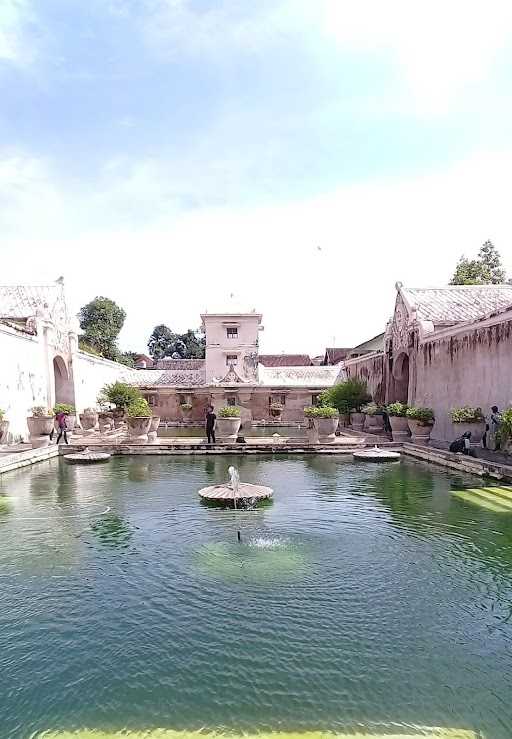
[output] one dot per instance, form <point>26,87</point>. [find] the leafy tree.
<point>161,342</point>
<point>165,343</point>
<point>346,396</point>
<point>119,394</point>
<point>486,269</point>
<point>101,320</point>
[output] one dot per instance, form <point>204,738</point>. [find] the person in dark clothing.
<point>211,419</point>
<point>61,419</point>
<point>463,445</point>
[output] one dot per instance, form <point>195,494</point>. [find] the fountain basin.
<point>225,495</point>
<point>376,455</point>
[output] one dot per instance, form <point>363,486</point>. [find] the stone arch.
<point>401,377</point>
<point>64,386</point>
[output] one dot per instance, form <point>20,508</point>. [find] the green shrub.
<point>372,409</point>
<point>119,394</point>
<point>346,396</point>
<point>320,411</point>
<point>397,410</point>
<point>466,414</point>
<point>63,408</point>
<point>505,428</point>
<point>139,408</point>
<point>425,416</point>
<point>40,411</point>
<point>229,411</point>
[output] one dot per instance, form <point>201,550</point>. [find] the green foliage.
<point>2,414</point>
<point>320,411</point>
<point>229,411</point>
<point>139,407</point>
<point>63,408</point>
<point>466,414</point>
<point>85,347</point>
<point>40,411</point>
<point>505,429</point>
<point>486,269</point>
<point>126,358</point>
<point>398,410</point>
<point>163,342</point>
<point>347,396</point>
<point>120,394</point>
<point>371,409</point>
<point>424,415</point>
<point>101,320</point>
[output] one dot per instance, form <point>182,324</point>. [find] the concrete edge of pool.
<point>405,732</point>
<point>18,459</point>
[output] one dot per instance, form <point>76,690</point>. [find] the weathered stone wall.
<point>369,369</point>
<point>23,378</point>
<point>468,366</point>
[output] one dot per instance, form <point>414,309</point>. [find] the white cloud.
<point>371,235</point>
<point>441,47</point>
<point>15,17</point>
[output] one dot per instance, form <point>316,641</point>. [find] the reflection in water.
<point>112,531</point>
<point>5,505</point>
<point>138,471</point>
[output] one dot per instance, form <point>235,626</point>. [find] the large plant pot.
<point>105,422</point>
<point>227,429</point>
<point>326,429</point>
<point>138,428</point>
<point>312,434</point>
<point>119,416</point>
<point>477,430</point>
<point>420,434</point>
<point>40,428</point>
<point>357,421</point>
<point>4,428</point>
<point>153,429</point>
<point>400,428</point>
<point>88,421</point>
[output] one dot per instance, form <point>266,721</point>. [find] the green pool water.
<point>365,597</point>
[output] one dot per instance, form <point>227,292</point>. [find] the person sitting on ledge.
<point>463,445</point>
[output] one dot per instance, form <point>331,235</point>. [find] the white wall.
<point>91,374</point>
<point>23,378</point>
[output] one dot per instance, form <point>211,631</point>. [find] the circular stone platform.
<point>246,492</point>
<point>376,455</point>
<point>87,457</point>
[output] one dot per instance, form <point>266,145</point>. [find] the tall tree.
<point>486,269</point>
<point>101,321</point>
<point>161,342</point>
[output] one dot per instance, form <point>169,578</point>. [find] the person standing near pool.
<point>62,424</point>
<point>211,420</point>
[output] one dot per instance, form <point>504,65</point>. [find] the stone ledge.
<point>18,459</point>
<point>460,462</point>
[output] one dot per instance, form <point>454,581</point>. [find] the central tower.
<point>232,346</point>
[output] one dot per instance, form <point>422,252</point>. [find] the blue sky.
<point>169,152</point>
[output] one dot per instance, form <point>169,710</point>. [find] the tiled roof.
<point>335,355</point>
<point>315,377</point>
<point>376,344</point>
<point>457,303</point>
<point>180,364</point>
<point>170,378</point>
<point>285,360</point>
<point>24,301</point>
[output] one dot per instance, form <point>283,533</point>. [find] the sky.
<point>301,156</point>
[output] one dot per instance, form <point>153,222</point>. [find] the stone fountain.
<point>235,493</point>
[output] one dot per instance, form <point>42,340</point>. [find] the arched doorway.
<point>401,378</point>
<point>64,388</point>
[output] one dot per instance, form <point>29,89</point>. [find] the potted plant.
<point>153,428</point>
<point>228,423</point>
<point>89,420</point>
<point>374,417</point>
<point>119,394</point>
<point>421,421</point>
<point>348,397</point>
<point>469,419</point>
<point>186,409</point>
<point>504,432</point>
<point>325,421</point>
<point>398,421</point>
<point>138,418</point>
<point>4,427</point>
<point>40,425</point>
<point>276,410</point>
<point>70,412</point>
